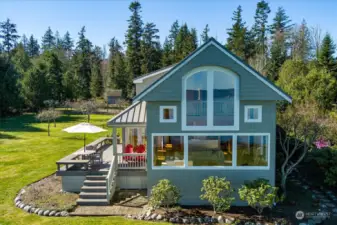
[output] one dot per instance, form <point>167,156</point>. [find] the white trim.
<point>212,42</point>
<point>234,150</point>
<point>161,114</point>
<point>259,114</point>
<point>141,79</point>
<point>210,114</point>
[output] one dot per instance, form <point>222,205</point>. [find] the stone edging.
<point>41,212</point>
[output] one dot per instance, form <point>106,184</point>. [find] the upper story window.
<point>210,99</point>
<point>253,113</point>
<point>168,114</point>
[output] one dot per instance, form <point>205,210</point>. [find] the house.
<point>209,115</point>
<point>113,96</point>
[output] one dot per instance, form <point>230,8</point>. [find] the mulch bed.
<point>46,193</point>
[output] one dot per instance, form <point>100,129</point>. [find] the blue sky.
<point>106,19</point>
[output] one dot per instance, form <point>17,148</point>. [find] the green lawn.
<point>27,154</point>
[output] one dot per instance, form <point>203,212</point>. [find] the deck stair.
<point>93,191</point>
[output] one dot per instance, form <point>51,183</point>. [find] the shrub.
<point>218,192</point>
<point>326,158</point>
<point>259,194</point>
<point>164,194</point>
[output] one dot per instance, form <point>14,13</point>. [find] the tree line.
<point>297,58</point>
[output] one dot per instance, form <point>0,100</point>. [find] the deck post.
<point>114,141</point>
<point>123,138</point>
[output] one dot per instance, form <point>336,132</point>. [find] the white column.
<point>123,138</point>
<point>114,140</point>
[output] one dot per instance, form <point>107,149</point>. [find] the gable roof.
<point>215,43</point>
<point>152,74</point>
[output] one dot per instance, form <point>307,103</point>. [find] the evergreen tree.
<point>173,33</point>
<point>8,34</point>
<point>67,44</point>
<point>259,29</point>
<point>83,65</point>
<point>167,57</point>
<point>96,83</point>
<point>204,35</point>
<point>326,54</point>
<point>114,49</point>
<point>33,47</point>
<point>301,44</point>
<point>150,48</point>
<point>20,60</point>
<point>54,75</point>
<point>58,40</point>
<point>133,40</point>
<point>35,86</point>
<point>24,41</point>
<point>185,43</point>
<point>280,35</point>
<point>48,40</point>
<point>237,34</point>
<point>123,80</point>
<point>10,100</point>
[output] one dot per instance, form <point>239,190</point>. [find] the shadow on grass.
<point>7,136</point>
<point>20,123</point>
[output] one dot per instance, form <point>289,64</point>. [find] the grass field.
<point>27,154</point>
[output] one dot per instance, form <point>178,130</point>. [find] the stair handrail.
<point>111,178</point>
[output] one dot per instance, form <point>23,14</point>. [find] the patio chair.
<point>128,149</point>
<point>140,149</point>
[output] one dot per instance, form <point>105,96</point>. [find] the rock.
<point>27,208</point>
<point>40,213</point>
<point>214,220</point>
<point>32,210</point>
<point>18,198</point>
<point>229,220</point>
<point>17,204</point>
<point>148,213</point>
<point>186,221</point>
<point>58,214</point>
<point>193,220</point>
<point>141,217</point>
<point>220,219</point>
<point>64,213</point>
<point>179,220</point>
<point>159,217</point>
<point>200,220</point>
<point>22,191</point>
<point>153,216</point>
<point>46,213</point>
<point>330,205</point>
<point>207,219</point>
<point>22,205</point>
<point>258,223</point>
<point>172,220</point>
<point>52,213</point>
<point>37,210</point>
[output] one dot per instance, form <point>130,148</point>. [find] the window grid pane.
<point>252,151</point>
<point>210,150</point>
<point>168,151</point>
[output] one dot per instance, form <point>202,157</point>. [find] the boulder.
<point>40,213</point>
<point>58,214</point>
<point>148,213</point>
<point>200,220</point>
<point>32,210</point>
<point>27,208</point>
<point>153,216</point>
<point>159,217</point>
<point>17,203</point>
<point>18,198</point>
<point>229,220</point>
<point>172,220</point>
<point>220,219</point>
<point>214,220</point>
<point>64,213</point>
<point>22,205</point>
<point>52,213</point>
<point>46,213</point>
<point>36,210</point>
<point>186,221</point>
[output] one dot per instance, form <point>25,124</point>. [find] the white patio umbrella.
<point>85,128</point>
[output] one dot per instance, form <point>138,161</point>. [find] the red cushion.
<point>140,148</point>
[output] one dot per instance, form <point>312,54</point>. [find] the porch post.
<point>123,138</point>
<point>114,141</point>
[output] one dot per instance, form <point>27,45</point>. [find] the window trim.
<point>210,81</point>
<point>259,113</point>
<point>234,157</point>
<point>161,114</point>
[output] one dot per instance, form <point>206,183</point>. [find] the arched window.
<point>210,99</point>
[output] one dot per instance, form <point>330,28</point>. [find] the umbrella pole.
<point>84,142</point>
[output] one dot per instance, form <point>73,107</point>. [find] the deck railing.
<point>131,160</point>
<point>111,179</point>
